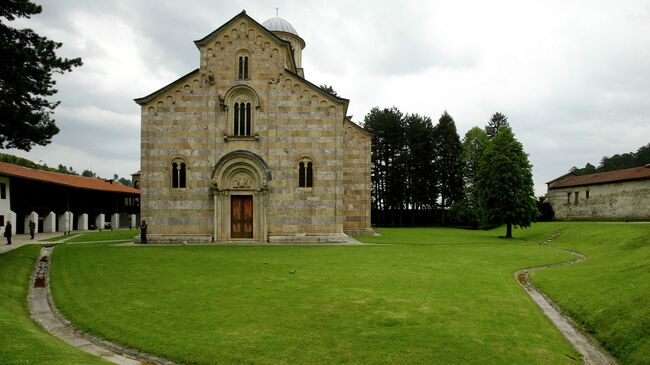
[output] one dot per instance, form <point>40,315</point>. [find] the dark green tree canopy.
<point>329,89</point>
<point>448,163</point>
<point>497,122</point>
<point>26,83</point>
<point>506,182</point>
<point>617,162</point>
<point>469,210</point>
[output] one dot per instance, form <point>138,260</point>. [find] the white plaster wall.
<point>615,201</point>
<point>5,207</point>
<point>99,221</point>
<point>34,217</point>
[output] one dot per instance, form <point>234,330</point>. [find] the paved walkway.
<point>591,352</point>
<point>20,240</point>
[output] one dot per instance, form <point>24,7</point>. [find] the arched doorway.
<point>240,193</point>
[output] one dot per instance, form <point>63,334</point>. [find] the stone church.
<point>244,148</point>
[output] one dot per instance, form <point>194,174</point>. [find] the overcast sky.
<point>573,77</point>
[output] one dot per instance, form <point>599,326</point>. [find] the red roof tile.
<point>635,173</point>
<point>80,182</point>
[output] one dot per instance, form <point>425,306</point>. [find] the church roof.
<point>278,24</point>
<point>74,181</point>
<point>635,173</point>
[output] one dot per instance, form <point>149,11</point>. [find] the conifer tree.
<point>497,122</point>
<point>506,182</point>
<point>448,164</point>
<point>469,210</point>
<point>26,83</point>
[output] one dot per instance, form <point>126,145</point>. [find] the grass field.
<point>21,340</point>
<point>418,296</point>
<point>609,294</point>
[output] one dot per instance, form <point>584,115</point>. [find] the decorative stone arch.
<point>241,94</point>
<point>181,172</point>
<point>305,175</point>
<point>236,174</point>
<point>245,57</point>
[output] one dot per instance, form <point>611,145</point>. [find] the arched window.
<point>305,174</point>
<point>243,118</point>
<point>179,174</point>
<point>243,67</point>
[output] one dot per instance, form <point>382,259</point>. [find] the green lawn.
<point>21,340</point>
<point>106,235</point>
<point>609,294</point>
<point>419,296</point>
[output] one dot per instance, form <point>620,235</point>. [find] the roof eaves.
<point>323,92</point>
<point>145,99</point>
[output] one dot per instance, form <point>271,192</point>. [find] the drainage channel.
<point>584,344</point>
<point>44,312</point>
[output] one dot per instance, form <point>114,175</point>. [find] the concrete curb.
<point>44,312</point>
<point>583,343</point>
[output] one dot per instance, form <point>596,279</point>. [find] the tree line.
<point>617,162</point>
<point>60,168</point>
<point>425,174</point>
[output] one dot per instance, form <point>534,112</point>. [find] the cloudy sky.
<point>573,77</point>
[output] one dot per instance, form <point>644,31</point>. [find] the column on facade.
<point>115,220</point>
<point>12,219</point>
<point>99,221</point>
<point>49,222</point>
<point>65,221</point>
<point>82,222</point>
<point>133,221</point>
<point>33,216</point>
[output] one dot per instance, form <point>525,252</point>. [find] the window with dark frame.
<point>178,175</point>
<point>305,175</point>
<point>243,67</point>
<point>2,220</point>
<point>587,194</point>
<point>568,198</point>
<point>577,197</point>
<point>242,119</point>
<point>3,191</point>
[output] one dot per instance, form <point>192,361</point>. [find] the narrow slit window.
<point>182,183</point>
<point>246,68</point>
<point>3,191</point>
<point>248,119</point>
<point>301,175</point>
<point>577,197</point>
<point>310,174</point>
<point>236,129</point>
<point>587,194</point>
<point>242,119</point>
<point>174,175</point>
<point>241,67</point>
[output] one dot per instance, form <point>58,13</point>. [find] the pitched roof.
<point>635,173</point>
<point>74,181</point>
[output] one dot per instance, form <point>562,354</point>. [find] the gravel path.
<point>591,352</point>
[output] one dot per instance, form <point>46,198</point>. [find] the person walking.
<point>8,232</point>
<point>143,232</point>
<point>32,229</point>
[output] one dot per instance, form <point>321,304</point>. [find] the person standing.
<point>8,232</point>
<point>32,229</point>
<point>143,232</point>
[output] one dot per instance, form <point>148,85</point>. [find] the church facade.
<point>244,148</point>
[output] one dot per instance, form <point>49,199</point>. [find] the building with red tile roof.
<point>613,195</point>
<point>63,202</point>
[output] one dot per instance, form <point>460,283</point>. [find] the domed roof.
<point>278,24</point>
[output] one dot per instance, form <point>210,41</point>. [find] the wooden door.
<point>241,216</point>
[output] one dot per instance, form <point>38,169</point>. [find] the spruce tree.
<point>497,122</point>
<point>448,164</point>
<point>26,83</point>
<point>506,182</point>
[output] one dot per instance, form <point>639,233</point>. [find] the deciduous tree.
<point>506,182</point>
